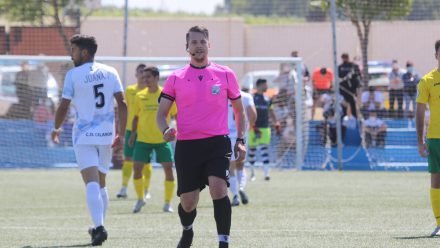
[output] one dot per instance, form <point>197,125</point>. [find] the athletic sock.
<point>252,155</point>
<point>94,203</point>
<point>265,158</point>
<point>435,202</point>
<point>222,215</point>
<point>127,169</point>
<point>169,190</point>
<point>139,188</point>
<point>147,171</point>
<point>186,219</point>
<point>241,178</point>
<point>104,196</point>
<point>233,185</point>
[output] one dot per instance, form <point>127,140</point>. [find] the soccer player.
<point>91,87</point>
<point>259,135</point>
<point>127,167</point>
<point>201,90</point>
<point>237,173</point>
<point>429,93</point>
<point>150,138</point>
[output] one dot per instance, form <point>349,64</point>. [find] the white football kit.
<point>91,88</point>
<point>247,101</point>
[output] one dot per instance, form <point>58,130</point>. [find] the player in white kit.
<point>237,173</point>
<point>92,88</point>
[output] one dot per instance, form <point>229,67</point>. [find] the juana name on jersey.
<point>91,88</point>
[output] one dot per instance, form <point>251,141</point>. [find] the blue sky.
<point>190,6</point>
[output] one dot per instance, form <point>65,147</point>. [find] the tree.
<point>363,12</point>
<point>280,8</point>
<point>42,12</point>
<point>425,10</point>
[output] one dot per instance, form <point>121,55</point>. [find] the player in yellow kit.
<point>127,167</point>
<point>428,92</point>
<point>149,138</point>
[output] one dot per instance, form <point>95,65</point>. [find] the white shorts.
<point>93,155</point>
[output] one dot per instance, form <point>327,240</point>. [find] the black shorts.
<point>318,93</point>
<point>196,160</point>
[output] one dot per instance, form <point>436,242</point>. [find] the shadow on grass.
<point>56,246</point>
<point>417,237</point>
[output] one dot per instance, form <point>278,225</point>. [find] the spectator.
<point>38,83</point>
<point>43,116</point>
<point>396,90</point>
<point>308,91</point>
<point>305,70</point>
<point>322,79</point>
<point>410,80</point>
<point>372,100</point>
<point>22,109</point>
<point>328,100</point>
<point>350,85</point>
<point>375,130</point>
<point>286,79</point>
<point>282,107</point>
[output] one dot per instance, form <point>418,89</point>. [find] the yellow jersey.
<point>130,94</point>
<point>428,91</point>
<point>145,106</point>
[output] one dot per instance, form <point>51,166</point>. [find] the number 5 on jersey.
<point>99,95</point>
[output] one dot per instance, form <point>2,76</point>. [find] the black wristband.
<point>166,129</point>
<point>242,140</point>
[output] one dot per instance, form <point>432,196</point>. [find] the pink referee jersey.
<point>201,96</point>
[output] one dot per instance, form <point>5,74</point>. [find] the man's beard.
<point>76,63</point>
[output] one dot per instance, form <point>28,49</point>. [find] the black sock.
<point>223,245</point>
<point>222,215</point>
<point>187,219</point>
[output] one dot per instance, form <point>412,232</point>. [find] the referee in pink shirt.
<point>201,91</point>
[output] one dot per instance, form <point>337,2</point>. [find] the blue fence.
<point>25,144</point>
<point>400,151</point>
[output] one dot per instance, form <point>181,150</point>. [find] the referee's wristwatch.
<point>241,140</point>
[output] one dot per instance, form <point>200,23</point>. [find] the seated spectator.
<point>328,102</point>
<point>410,80</point>
<point>372,100</point>
<point>375,130</point>
<point>322,79</point>
<point>329,128</point>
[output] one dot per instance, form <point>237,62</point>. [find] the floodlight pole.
<point>124,43</point>
<point>336,80</point>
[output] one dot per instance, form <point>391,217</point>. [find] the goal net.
<point>31,86</point>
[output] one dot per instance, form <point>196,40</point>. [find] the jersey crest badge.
<point>215,89</point>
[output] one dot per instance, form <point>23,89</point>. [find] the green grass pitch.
<point>46,208</point>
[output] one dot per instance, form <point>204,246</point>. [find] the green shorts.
<point>434,155</point>
<point>264,138</point>
<point>143,152</point>
<point>128,151</point>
